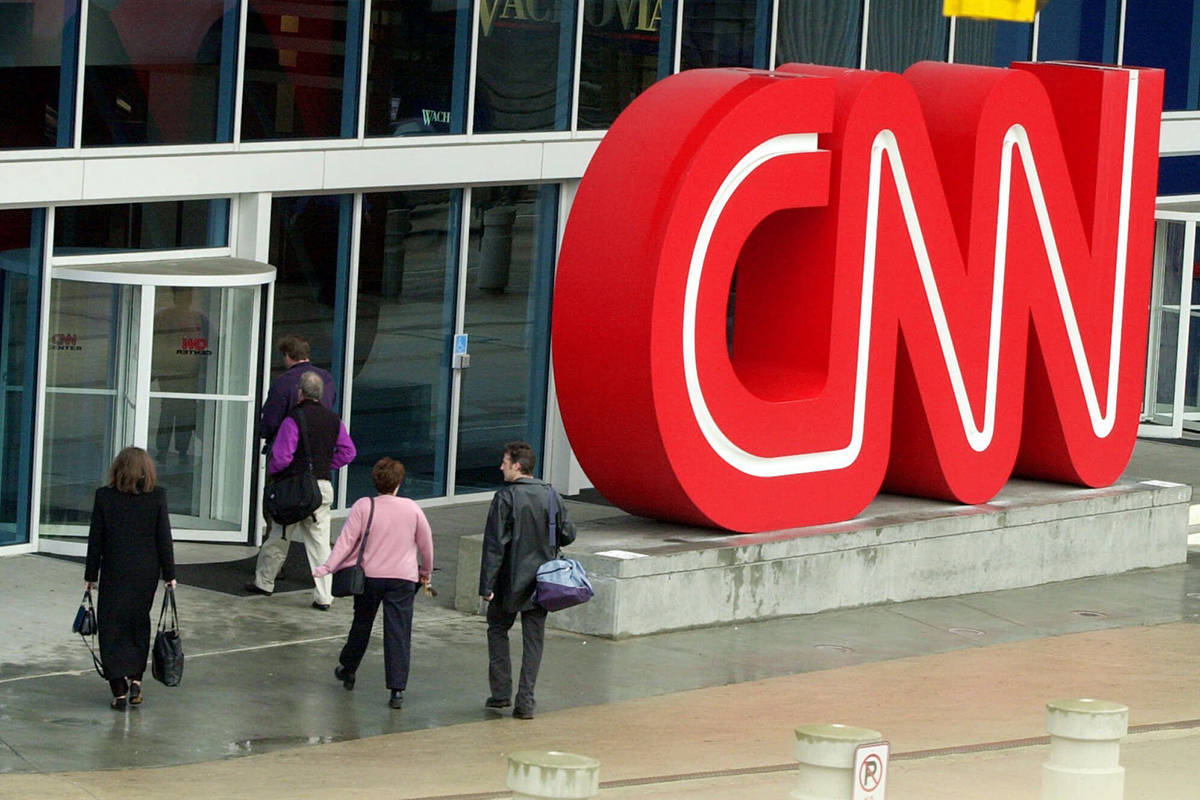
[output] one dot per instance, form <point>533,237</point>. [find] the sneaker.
<point>254,588</point>
<point>346,677</point>
<point>523,713</point>
<point>320,606</point>
<point>397,699</point>
<point>492,702</point>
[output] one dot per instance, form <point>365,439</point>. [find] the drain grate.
<point>1083,612</point>
<point>834,648</point>
<point>966,631</point>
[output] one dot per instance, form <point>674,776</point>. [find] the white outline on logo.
<point>979,438</point>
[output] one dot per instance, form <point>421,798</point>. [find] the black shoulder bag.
<point>85,625</point>
<point>352,580</point>
<point>166,657</point>
<point>294,497</point>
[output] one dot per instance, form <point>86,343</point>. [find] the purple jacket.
<point>284,395</point>
<point>284,449</point>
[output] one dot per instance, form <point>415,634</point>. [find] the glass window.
<point>725,33</point>
<point>820,32</point>
<point>990,43</point>
<point>525,64</point>
<point>407,278</point>
<point>141,226</point>
<point>903,32</point>
<point>417,67</point>
<point>1084,30</point>
<point>626,47</point>
<point>84,379</point>
<point>301,69</point>
<point>510,271</point>
<point>159,72</point>
<point>1167,34</point>
<point>36,38</point>
<point>310,250</point>
<point>19,311</point>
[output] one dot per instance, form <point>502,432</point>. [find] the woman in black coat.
<point>129,546</point>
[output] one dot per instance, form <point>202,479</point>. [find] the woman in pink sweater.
<point>396,533</point>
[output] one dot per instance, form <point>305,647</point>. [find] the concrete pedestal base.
<point>651,577</point>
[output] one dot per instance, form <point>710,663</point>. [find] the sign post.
<point>870,771</point>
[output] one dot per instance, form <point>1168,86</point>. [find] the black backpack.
<point>291,499</point>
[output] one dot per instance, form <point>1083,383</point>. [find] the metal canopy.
<point>199,272</point>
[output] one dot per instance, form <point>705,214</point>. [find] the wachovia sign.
<point>939,280</point>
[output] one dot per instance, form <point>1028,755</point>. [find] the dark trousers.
<point>120,686</point>
<point>533,632</point>
<point>396,594</point>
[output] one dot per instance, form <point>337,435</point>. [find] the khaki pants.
<point>315,536</point>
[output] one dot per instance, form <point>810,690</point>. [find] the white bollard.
<point>826,756</point>
<point>551,774</point>
<point>1085,742</point>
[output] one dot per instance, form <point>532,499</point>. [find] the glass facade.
<point>525,61</point>
<point>302,65</point>
<point>626,48</point>
<point>1167,34</point>
<point>725,33</point>
<point>310,250</point>
<point>819,32</point>
<point>903,32</point>
<point>990,43</point>
<point>141,226</point>
<point>417,68</point>
<point>407,295</point>
<point>1082,30</point>
<point>510,271</point>
<point>159,72</point>
<point>20,271</point>
<point>37,69</point>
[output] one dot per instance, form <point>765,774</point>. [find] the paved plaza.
<point>957,685</point>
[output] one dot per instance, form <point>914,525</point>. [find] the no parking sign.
<point>870,771</point>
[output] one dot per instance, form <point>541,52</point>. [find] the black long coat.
<point>516,541</point>
<point>129,548</point>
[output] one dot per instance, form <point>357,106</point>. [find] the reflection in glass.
<point>82,376</point>
<point>1083,30</point>
<point>141,226</point>
<point>903,32</point>
<point>19,307</point>
<point>405,311</point>
<point>159,72</point>
<point>1168,266</point>
<point>36,38</point>
<point>819,32</point>
<point>626,47</point>
<point>525,63</point>
<point>206,488</point>
<point>509,280</point>
<point>417,67</point>
<point>990,43</point>
<point>725,33</point>
<point>301,68</point>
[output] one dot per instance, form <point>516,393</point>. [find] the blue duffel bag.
<point>561,582</point>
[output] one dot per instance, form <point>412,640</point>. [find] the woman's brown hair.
<point>387,474</point>
<point>132,471</point>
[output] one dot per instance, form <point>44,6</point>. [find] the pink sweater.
<point>399,532</point>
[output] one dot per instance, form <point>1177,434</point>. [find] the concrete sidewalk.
<point>958,685</point>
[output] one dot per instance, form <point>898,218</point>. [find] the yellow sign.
<point>1009,10</point>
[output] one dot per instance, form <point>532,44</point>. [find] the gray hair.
<point>311,385</point>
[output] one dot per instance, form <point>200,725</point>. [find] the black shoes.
<point>135,693</point>
<point>397,699</point>
<point>347,678</point>
<point>254,588</point>
<point>523,713</point>
<point>320,606</point>
<point>492,702</point>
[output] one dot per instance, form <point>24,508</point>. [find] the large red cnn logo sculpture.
<point>941,280</point>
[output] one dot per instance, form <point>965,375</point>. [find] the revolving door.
<point>161,355</point>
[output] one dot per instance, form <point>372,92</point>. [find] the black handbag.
<point>292,498</point>
<point>85,625</point>
<point>352,580</point>
<point>166,657</point>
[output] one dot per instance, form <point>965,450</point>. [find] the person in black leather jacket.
<point>516,541</point>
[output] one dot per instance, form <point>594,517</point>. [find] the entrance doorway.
<point>161,355</point>
<point>1171,403</point>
